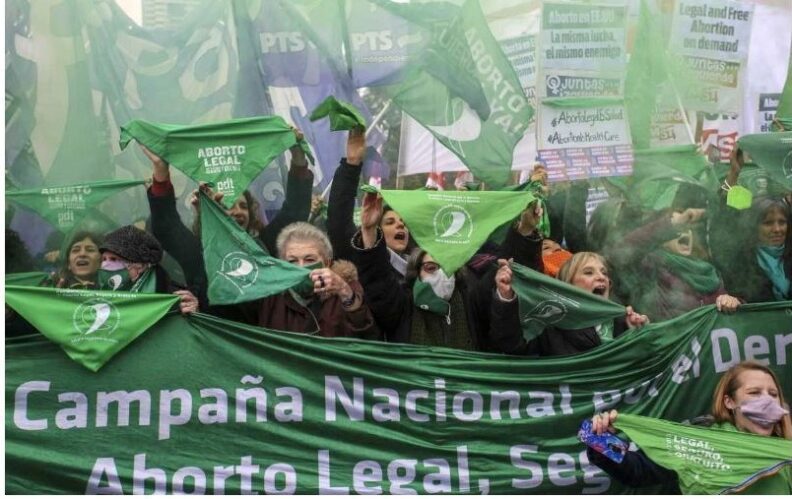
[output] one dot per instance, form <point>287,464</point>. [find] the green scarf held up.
<point>709,460</point>
<point>228,154</point>
<point>343,115</point>
<point>700,274</point>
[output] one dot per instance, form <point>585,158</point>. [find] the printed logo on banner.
<point>546,312</point>
<point>239,269</point>
<point>97,318</point>
<point>579,86</point>
<point>453,224</point>
<point>466,125</point>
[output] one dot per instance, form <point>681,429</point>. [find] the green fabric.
<point>544,301</point>
<point>770,259</point>
<point>66,206</point>
<point>771,151</point>
<point>425,298</point>
<point>343,115</point>
<point>146,282</point>
<point>739,197</point>
<point>708,460</point>
<point>452,225</point>
<point>114,280</point>
<point>91,326</point>
<point>581,102</point>
<point>237,268</point>
<point>305,288</point>
<point>26,278</point>
<point>479,121</point>
<point>700,274</point>
<point>605,331</point>
<point>191,383</point>
<point>228,154</point>
<point>784,110</point>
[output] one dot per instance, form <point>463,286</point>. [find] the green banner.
<point>65,206</point>
<point>228,154</point>
<point>710,460</point>
<point>452,225</point>
<point>773,152</point>
<point>91,326</point>
<point>480,119</point>
<point>203,405</point>
<point>342,115</point>
<point>26,278</point>
<point>237,268</point>
<point>545,301</point>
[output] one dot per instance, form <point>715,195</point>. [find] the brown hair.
<point>567,271</point>
<point>255,224</point>
<point>730,383</point>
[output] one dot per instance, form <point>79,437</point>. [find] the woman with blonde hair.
<point>748,398</point>
<point>585,270</point>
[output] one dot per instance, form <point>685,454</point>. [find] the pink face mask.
<point>113,265</point>
<point>765,411</point>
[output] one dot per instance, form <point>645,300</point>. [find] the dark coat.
<point>391,302</point>
<point>506,334</point>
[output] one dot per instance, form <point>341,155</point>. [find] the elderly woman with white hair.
<point>328,303</point>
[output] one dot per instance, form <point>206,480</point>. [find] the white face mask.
<point>113,265</point>
<point>442,285</point>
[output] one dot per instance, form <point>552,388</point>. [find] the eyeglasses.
<point>430,267</point>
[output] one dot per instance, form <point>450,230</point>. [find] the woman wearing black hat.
<point>133,255</point>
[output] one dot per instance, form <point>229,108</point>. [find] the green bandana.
<point>700,274</point>
<point>305,287</point>
<point>237,268</point>
<point>708,460</point>
<point>605,331</point>
<point>452,225</point>
<point>66,206</point>
<point>343,115</point>
<point>545,301</point>
<point>146,282</point>
<point>773,152</point>
<point>26,278</point>
<point>114,280</point>
<point>425,298</point>
<point>91,326</point>
<point>228,154</point>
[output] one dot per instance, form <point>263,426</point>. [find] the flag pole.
<point>379,117</point>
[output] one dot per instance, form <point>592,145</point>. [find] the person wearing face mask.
<point>748,398</point>
<point>341,206</point>
<point>430,308</point>
<point>130,262</point>
<point>588,271</point>
<point>328,303</point>
<point>671,263</point>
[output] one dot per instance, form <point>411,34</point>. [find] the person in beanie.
<point>137,254</point>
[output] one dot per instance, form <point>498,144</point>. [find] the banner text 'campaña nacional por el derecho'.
<point>202,405</point>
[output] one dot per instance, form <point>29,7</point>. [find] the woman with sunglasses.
<point>430,308</point>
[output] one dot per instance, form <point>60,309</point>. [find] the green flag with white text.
<point>481,132</point>
<point>452,225</point>
<point>545,301</point>
<point>772,152</point>
<point>66,206</point>
<point>91,326</point>
<point>229,154</point>
<point>709,460</point>
<point>237,268</point>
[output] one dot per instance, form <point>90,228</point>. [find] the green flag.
<point>229,154</point>
<point>771,151</point>
<point>545,301</point>
<point>91,326</point>
<point>452,225</point>
<point>237,268</point>
<point>708,460</point>
<point>26,278</point>
<point>65,206</point>
<point>784,112</point>
<point>482,134</point>
<point>343,115</point>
